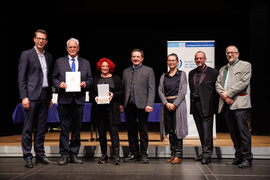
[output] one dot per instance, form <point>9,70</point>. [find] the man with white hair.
<point>71,104</point>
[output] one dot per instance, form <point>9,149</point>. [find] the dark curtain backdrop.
<point>112,29</point>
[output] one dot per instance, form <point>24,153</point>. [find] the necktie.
<point>73,65</point>
<point>131,96</point>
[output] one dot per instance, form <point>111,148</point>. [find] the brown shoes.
<point>170,160</point>
<point>174,160</point>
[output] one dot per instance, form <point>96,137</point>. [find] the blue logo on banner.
<point>179,64</point>
<point>200,44</point>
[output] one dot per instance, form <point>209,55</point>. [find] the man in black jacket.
<point>203,103</point>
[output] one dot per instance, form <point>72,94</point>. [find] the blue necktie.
<point>73,65</point>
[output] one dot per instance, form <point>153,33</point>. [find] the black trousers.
<point>237,121</point>
<point>106,121</point>
<point>132,113</point>
<point>176,145</point>
<point>71,116</point>
<point>35,118</point>
<point>204,126</point>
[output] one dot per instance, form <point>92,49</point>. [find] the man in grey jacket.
<point>139,96</point>
<point>233,86</point>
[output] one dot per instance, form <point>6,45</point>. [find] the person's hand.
<point>26,103</point>
<point>224,95</point>
<point>229,101</point>
<point>148,109</point>
<point>83,84</point>
<point>121,109</point>
<point>96,99</point>
<point>63,85</point>
<point>170,106</point>
<point>50,104</point>
<point>111,95</point>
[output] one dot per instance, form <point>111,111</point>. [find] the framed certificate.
<point>103,94</point>
<point>73,81</point>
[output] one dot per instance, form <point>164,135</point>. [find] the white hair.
<point>73,39</point>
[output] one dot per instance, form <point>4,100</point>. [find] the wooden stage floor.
<point>222,140</point>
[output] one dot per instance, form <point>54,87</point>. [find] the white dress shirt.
<point>76,62</point>
<point>43,64</point>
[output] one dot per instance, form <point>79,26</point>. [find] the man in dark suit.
<point>71,104</point>
<point>139,87</point>
<point>203,103</point>
<point>34,78</point>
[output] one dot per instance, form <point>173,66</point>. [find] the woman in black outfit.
<point>107,115</point>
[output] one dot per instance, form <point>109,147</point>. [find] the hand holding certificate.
<point>103,94</point>
<point>73,81</point>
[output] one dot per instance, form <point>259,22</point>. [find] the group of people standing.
<point>134,94</point>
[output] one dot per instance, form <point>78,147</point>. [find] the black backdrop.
<point>112,29</point>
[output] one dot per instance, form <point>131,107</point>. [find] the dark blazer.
<point>144,86</point>
<point>61,66</point>
<point>30,76</point>
<point>116,100</point>
<point>207,92</point>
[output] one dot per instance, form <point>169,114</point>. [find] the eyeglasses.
<point>199,58</point>
<point>72,47</point>
<point>172,60</point>
<point>228,53</point>
<point>40,39</point>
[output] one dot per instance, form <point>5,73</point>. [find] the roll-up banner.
<point>186,51</point>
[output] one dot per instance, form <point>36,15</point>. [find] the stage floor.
<point>52,139</point>
<point>158,169</point>
<point>10,146</point>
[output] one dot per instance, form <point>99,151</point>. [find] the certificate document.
<point>73,81</point>
<point>103,94</point>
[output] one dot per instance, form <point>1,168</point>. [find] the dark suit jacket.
<point>144,86</point>
<point>207,92</point>
<point>30,75</point>
<point>116,100</point>
<point>59,72</point>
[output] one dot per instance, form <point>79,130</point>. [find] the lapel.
<point>194,77</point>
<point>35,55</point>
<point>203,75</point>
<point>80,63</point>
<point>66,63</point>
<point>201,78</point>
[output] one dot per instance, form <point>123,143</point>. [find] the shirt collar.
<point>233,63</point>
<point>176,73</point>
<point>38,51</point>
<point>137,66</point>
<point>76,58</point>
<point>202,69</point>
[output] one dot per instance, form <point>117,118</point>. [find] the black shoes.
<point>44,161</point>
<point>76,160</point>
<point>131,157</point>
<point>103,159</point>
<point>73,159</point>
<point>63,161</point>
<point>198,158</point>
<point>28,163</point>
<point>245,164</point>
<point>235,161</point>
<point>206,160</point>
<point>117,160</point>
<point>144,159</point>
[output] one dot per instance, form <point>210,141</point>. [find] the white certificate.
<point>73,81</point>
<point>103,94</point>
